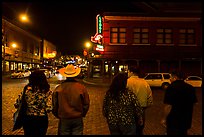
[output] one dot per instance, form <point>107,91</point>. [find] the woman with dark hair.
<point>38,99</point>
<point>121,107</point>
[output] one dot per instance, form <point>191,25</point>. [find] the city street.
<point>94,122</point>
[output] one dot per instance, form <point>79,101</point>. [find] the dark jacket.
<point>73,100</point>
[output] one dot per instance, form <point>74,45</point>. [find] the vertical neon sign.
<point>99,24</point>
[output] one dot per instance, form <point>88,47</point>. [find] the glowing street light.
<point>24,18</point>
<point>14,45</point>
<point>88,45</point>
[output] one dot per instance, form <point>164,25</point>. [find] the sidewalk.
<point>98,81</point>
<point>5,76</point>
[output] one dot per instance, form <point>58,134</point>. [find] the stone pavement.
<point>98,81</point>
<point>94,122</point>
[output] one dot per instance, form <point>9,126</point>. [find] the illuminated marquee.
<point>52,55</point>
<point>100,48</point>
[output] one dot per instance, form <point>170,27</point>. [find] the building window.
<point>106,68</point>
<point>19,66</point>
<point>186,36</point>
<point>140,35</point>
<point>7,66</point>
<point>16,67</point>
<point>37,49</point>
<point>118,35</point>
<point>12,64</point>
<point>31,46</point>
<point>24,45</point>
<point>164,36</point>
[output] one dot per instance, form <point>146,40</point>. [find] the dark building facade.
<point>155,44</point>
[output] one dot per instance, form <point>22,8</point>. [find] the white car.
<point>158,79</point>
<point>20,74</point>
<point>195,81</point>
<point>60,77</point>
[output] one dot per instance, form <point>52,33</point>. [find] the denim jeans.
<point>122,130</point>
<point>70,126</point>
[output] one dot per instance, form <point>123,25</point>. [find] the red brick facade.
<point>169,43</point>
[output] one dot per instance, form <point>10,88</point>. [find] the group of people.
<point>70,98</point>
<point>124,104</point>
<point>129,96</point>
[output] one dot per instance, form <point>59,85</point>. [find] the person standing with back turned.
<point>38,97</point>
<point>121,107</point>
<point>179,100</point>
<point>143,92</point>
<point>73,102</point>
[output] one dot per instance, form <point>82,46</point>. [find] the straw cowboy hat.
<point>70,71</point>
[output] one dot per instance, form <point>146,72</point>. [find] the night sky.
<point>68,25</point>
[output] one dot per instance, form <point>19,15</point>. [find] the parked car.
<point>195,81</point>
<point>158,79</point>
<point>20,74</point>
<point>60,77</point>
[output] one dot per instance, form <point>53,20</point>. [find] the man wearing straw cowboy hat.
<point>71,102</point>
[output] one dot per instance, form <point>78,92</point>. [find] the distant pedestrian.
<point>38,99</point>
<point>143,92</point>
<point>121,108</point>
<point>73,102</point>
<point>179,100</point>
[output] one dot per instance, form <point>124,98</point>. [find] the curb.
<point>95,83</point>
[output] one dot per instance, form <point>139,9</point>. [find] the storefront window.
<point>7,66</point>
<point>106,68</point>
<point>16,66</point>
<point>19,66</point>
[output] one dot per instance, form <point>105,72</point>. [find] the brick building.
<point>154,43</point>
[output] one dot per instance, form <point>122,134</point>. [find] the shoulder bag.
<point>19,115</point>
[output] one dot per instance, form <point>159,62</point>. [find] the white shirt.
<point>141,89</point>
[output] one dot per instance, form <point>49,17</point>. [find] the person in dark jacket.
<point>179,100</point>
<point>72,100</point>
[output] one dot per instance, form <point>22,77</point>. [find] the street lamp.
<point>24,18</point>
<point>88,45</point>
<point>14,45</point>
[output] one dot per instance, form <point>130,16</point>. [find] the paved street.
<point>94,122</point>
